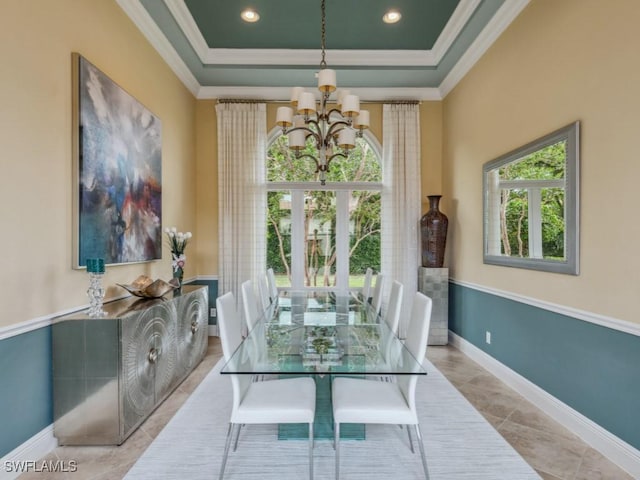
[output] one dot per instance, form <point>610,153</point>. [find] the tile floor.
<point>553,451</point>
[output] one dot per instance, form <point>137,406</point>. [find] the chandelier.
<point>333,127</point>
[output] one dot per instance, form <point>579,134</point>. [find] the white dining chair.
<point>249,304</point>
<point>392,316</point>
<point>357,400</point>
<point>376,298</point>
<point>274,401</point>
<point>263,289</point>
<point>392,319</point>
<point>273,288</point>
<point>366,286</point>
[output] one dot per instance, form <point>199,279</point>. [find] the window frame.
<point>341,190</point>
<point>571,135</point>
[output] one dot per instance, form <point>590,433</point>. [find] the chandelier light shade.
<point>333,125</point>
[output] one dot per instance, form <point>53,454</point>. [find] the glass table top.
<point>319,333</point>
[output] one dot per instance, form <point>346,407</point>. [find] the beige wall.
<point>430,151</point>
<point>207,187</point>
<point>560,61</point>
<point>36,185</point>
<point>35,142</point>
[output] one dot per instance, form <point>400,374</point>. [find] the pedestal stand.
<point>434,283</point>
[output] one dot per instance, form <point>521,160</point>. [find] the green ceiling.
<point>423,56</point>
<point>296,23</point>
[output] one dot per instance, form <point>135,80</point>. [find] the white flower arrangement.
<point>177,242</point>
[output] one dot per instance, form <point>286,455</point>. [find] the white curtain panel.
<point>242,149</point>
<point>401,200</point>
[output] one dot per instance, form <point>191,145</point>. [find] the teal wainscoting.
<point>593,369</point>
<point>25,399</point>
<point>213,294</point>
<point>26,395</point>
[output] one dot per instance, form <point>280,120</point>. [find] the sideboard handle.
<point>153,355</point>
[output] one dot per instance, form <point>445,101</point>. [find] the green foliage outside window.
<point>320,210</point>
<point>545,164</point>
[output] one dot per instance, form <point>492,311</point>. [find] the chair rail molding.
<point>602,320</point>
<point>45,320</point>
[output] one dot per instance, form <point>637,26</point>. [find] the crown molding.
<point>490,33</point>
<point>454,26</point>
<point>187,24</point>
<point>141,18</point>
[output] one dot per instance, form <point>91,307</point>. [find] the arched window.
<point>323,236</point>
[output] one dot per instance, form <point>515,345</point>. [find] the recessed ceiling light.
<point>392,16</point>
<point>250,15</point>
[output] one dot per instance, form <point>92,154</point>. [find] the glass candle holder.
<point>95,292</point>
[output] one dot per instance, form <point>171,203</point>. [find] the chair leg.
<point>424,458</point>
<point>227,444</point>
<point>235,444</point>
<point>336,442</point>
<point>410,439</point>
<point>311,451</point>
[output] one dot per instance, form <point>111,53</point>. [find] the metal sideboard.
<point>111,372</point>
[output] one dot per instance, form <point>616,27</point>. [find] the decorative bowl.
<point>145,287</point>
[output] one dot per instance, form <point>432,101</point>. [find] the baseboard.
<point>213,331</point>
<point>13,464</point>
<point>612,447</point>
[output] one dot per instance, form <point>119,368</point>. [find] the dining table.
<point>322,334</point>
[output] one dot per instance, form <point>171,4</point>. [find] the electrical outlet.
<point>213,313</point>
<point>487,337</point>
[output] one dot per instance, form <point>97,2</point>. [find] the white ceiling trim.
<point>188,25</point>
<point>391,58</point>
<point>454,26</point>
<point>509,10</point>
<point>141,18</point>
<point>283,93</point>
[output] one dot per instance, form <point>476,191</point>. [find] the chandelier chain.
<point>333,137</point>
<point>323,62</point>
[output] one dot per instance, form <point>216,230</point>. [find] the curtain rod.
<point>239,100</point>
<point>245,100</point>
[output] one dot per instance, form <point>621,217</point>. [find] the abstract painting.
<point>117,172</point>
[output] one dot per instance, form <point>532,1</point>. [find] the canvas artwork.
<point>118,202</point>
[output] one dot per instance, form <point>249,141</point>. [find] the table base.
<point>323,427</point>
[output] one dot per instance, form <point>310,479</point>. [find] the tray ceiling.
<point>421,57</point>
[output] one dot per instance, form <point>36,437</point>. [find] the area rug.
<point>459,444</point>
